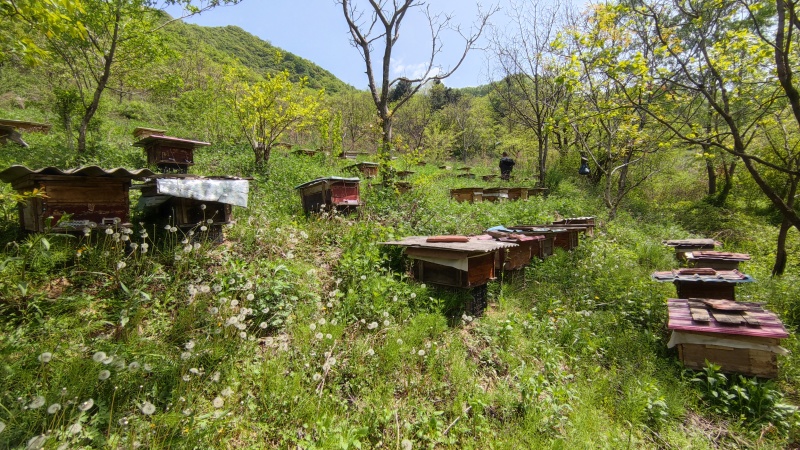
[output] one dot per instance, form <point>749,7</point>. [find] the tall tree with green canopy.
<point>375,29</point>
<point>708,55</point>
<point>113,33</point>
<point>268,108</point>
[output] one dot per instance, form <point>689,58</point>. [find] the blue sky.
<point>316,30</point>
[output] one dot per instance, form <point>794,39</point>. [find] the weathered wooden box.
<point>453,264</point>
<point>368,169</point>
<point>341,194</point>
<point>715,260</point>
<point>495,194</point>
<point>749,347</point>
<point>704,282</point>
<point>471,195</point>
<point>403,174</point>
<point>517,193</point>
<point>565,238</point>
<point>518,257</point>
<point>169,154</point>
<point>586,224</point>
<point>92,197</point>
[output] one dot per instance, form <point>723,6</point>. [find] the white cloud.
<point>412,70</point>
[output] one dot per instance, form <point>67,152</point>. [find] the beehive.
<point>330,193</point>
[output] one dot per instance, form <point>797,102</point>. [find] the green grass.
<point>305,332</point>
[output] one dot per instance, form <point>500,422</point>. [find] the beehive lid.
<point>755,320</point>
<point>717,256</point>
<point>327,180</point>
<point>692,243</point>
<point>704,274</point>
<point>16,172</point>
<point>181,142</point>
<point>474,245</point>
<point>229,190</point>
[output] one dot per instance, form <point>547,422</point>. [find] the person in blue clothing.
<point>506,164</point>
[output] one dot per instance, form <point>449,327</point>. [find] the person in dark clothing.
<point>506,164</point>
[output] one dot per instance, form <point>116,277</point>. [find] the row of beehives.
<point>706,321</point>
<point>478,194</point>
<point>92,197</point>
<point>471,262</point>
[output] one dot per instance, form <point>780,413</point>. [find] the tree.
<point>376,32</point>
<point>714,54</point>
<point>358,118</point>
<point>113,34</point>
<point>267,109</point>
<point>531,68</point>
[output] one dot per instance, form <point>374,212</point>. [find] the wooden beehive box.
<point>341,194</point>
<point>403,174</point>
<point>739,337</point>
<point>169,154</point>
<point>193,201</point>
<point>495,194</point>
<point>517,193</point>
<point>472,194</point>
<point>566,238</point>
<point>10,130</point>
<point>367,169</point>
<point>704,282</point>
<point>585,223</point>
<point>518,257</point>
<point>92,197</point>
<point>453,264</point>
<point>683,246</point>
<point>537,191</point>
<point>715,260</point>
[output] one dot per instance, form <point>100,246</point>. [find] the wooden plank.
<point>751,320</point>
<point>728,317</point>
<point>724,305</point>
<point>700,315</point>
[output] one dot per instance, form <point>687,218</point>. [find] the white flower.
<point>54,408</point>
<point>45,357</point>
<point>218,402</point>
<point>103,375</point>
<point>37,402</point>
<point>148,408</point>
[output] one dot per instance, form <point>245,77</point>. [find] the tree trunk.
<point>780,251</point>
<point>712,178</point>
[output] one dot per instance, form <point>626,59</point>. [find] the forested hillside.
<point>272,326</point>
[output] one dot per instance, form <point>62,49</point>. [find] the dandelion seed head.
<point>134,366</point>
<point>234,303</point>
<point>45,357</point>
<point>37,402</point>
<point>421,352</point>
<point>121,265</point>
<point>319,335</point>
<point>124,238</point>
<point>87,405</point>
<point>218,402</point>
<point>386,323</point>
<point>103,375</point>
<point>173,229</point>
<point>363,277</point>
<point>204,228</point>
<point>372,325</point>
<point>203,206</point>
<point>196,245</point>
<point>227,392</point>
<point>209,221</point>
<point>243,335</point>
<point>107,360</point>
<point>399,341</point>
<point>316,377</point>
<point>123,422</point>
<point>406,444</point>
<point>322,321</point>
<point>186,378</point>
<point>147,408</point>
<point>37,442</point>
<point>186,355</point>
<point>371,352</point>
<point>189,345</point>
<point>54,408</point>
<point>263,325</point>
<point>250,297</point>
<point>99,356</point>
<point>194,371</point>
<point>109,231</point>
<point>413,295</point>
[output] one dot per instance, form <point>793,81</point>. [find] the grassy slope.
<point>303,331</point>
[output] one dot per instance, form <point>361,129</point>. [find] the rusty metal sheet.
<point>715,255</point>
<point>327,180</point>
<point>718,276</point>
<point>15,172</point>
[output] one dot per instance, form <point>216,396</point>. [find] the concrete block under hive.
<point>715,260</point>
<point>341,194</point>
<point>90,197</point>
<point>472,194</point>
<point>739,337</point>
<point>704,282</point>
